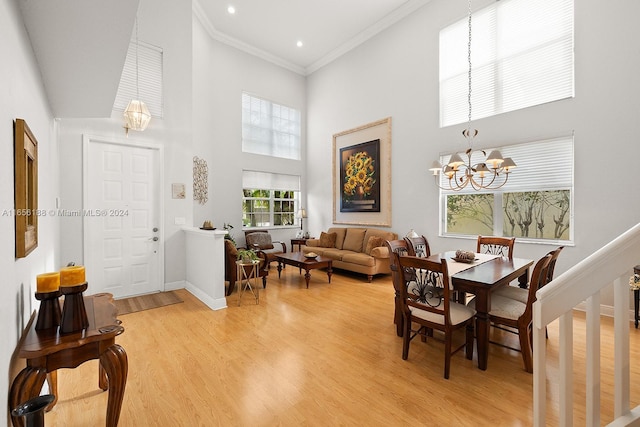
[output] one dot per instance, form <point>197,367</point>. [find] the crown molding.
<point>400,13</point>
<point>240,45</point>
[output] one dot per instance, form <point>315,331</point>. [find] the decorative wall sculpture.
<point>200,180</point>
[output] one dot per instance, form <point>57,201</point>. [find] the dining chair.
<point>502,246</point>
<point>397,247</point>
<point>517,315</point>
<point>418,246</point>
<point>426,301</point>
<point>522,294</point>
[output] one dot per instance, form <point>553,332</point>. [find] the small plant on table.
<point>247,256</point>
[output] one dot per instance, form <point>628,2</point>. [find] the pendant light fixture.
<point>136,115</point>
<point>491,174</point>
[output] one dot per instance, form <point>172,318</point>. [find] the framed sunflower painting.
<point>362,175</point>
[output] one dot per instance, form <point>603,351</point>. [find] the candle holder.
<point>74,315</point>
<point>49,314</point>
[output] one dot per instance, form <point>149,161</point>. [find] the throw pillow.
<point>354,239</point>
<point>373,242</point>
<point>327,240</point>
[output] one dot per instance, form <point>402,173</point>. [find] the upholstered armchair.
<point>261,240</point>
<point>230,266</point>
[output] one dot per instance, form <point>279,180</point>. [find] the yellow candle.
<point>48,282</point>
<point>71,276</point>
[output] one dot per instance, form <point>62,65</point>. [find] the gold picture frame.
<point>348,143</point>
<point>25,189</point>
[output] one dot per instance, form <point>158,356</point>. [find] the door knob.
<point>155,238</point>
<point>155,229</point>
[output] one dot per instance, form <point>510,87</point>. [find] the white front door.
<point>122,236</point>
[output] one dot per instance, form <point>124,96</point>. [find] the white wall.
<point>173,132</point>
<point>396,74</point>
<point>22,96</point>
<point>221,74</point>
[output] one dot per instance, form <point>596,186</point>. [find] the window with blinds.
<point>270,129</point>
<point>521,55</point>
<point>269,199</point>
<point>535,203</point>
<point>149,88</point>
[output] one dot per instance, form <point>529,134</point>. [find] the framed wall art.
<point>177,190</point>
<point>25,189</point>
<point>362,175</point>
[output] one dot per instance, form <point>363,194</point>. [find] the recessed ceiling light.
<point>299,43</point>
<point>231,10</point>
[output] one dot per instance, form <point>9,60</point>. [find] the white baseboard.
<point>180,284</point>
<point>605,310</point>
<point>212,303</point>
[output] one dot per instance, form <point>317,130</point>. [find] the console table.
<point>48,350</point>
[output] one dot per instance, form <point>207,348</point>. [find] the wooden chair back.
<point>418,246</point>
<point>502,246</point>
<point>552,264</point>
<point>426,301</point>
<point>425,285</point>
<point>522,323</point>
<point>539,278</point>
<point>396,246</point>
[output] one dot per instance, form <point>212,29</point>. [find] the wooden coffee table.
<point>297,259</point>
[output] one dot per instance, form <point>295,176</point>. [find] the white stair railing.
<point>583,282</point>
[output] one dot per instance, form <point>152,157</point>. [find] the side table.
<point>46,351</point>
<point>299,241</point>
<point>245,273</point>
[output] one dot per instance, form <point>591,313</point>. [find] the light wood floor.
<point>323,356</point>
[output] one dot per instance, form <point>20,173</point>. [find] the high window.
<point>536,203</point>
<point>149,79</point>
<point>269,199</point>
<point>270,129</point>
<point>521,55</point>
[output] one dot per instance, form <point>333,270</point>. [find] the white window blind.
<point>270,129</point>
<point>521,55</point>
<point>542,165</point>
<point>149,79</point>
<point>270,181</point>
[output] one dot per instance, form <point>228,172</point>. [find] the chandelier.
<point>460,171</point>
<point>136,115</point>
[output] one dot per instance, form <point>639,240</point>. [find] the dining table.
<point>481,277</point>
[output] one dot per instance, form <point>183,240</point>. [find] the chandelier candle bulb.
<point>71,276</point>
<point>495,158</point>
<point>47,282</point>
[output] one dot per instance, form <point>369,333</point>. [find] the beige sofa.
<point>361,250</point>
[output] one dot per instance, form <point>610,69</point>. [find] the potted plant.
<point>247,256</point>
<point>229,236</point>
